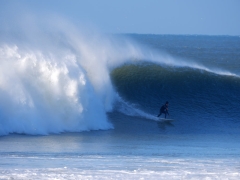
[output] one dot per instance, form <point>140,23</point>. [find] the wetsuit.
<point>163,110</point>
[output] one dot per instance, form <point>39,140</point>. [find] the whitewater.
<point>59,87</point>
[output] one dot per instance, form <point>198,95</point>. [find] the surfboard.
<point>166,120</point>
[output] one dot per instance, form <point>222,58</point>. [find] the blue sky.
<point>208,17</point>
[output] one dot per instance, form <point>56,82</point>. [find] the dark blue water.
<point>206,102</point>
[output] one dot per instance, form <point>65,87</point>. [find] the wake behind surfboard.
<point>165,120</point>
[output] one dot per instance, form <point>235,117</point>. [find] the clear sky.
<point>208,17</point>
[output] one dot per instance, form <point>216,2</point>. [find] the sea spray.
<point>58,81</point>
<point>41,95</point>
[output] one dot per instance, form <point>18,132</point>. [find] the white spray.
<point>58,82</point>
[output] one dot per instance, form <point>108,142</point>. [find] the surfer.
<point>164,110</point>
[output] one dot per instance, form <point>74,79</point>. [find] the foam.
<point>58,81</point>
<point>41,95</point>
<point>130,167</point>
<point>131,110</point>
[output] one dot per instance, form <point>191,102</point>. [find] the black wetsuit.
<point>163,110</point>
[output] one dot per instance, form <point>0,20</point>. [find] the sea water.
<point>74,106</point>
<point>105,155</point>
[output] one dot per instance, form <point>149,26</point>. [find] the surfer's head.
<point>166,102</point>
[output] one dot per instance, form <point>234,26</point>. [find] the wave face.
<point>149,83</point>
<point>198,98</point>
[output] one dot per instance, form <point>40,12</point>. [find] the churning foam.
<point>56,83</point>
<point>42,94</point>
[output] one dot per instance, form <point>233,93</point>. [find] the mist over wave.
<point>58,79</point>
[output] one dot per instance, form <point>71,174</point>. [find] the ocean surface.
<point>77,105</point>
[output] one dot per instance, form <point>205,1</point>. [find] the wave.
<point>62,80</point>
<point>57,81</point>
<point>195,96</point>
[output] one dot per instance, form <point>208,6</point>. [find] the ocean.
<point>78,105</point>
